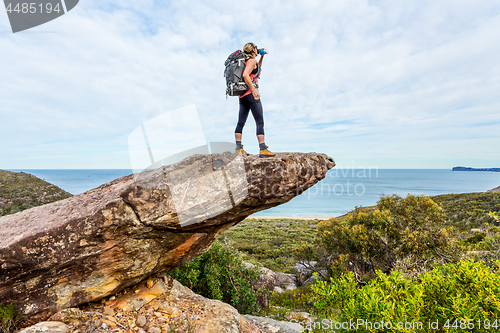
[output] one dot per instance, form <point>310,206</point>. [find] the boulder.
<point>286,281</point>
<point>267,279</point>
<point>177,309</point>
<point>278,290</point>
<point>304,270</point>
<point>94,244</point>
<point>272,280</point>
<point>48,327</point>
<point>268,325</point>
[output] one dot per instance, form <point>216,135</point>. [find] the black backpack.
<point>235,65</point>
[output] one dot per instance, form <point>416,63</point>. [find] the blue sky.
<point>387,84</point>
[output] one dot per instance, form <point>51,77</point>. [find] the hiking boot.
<point>266,153</point>
<point>241,151</point>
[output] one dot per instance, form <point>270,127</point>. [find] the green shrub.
<point>220,274</point>
<point>451,295</point>
<point>476,238</point>
<point>9,318</point>
<point>381,239</point>
<point>494,216</point>
<point>298,299</point>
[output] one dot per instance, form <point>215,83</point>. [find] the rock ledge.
<point>95,244</point>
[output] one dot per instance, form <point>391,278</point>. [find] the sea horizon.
<point>339,192</point>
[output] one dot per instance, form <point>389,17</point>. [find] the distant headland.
<point>475,169</point>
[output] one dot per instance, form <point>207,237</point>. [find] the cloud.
<point>359,80</point>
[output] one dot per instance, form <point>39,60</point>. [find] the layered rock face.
<point>93,245</point>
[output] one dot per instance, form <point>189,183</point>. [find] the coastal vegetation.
<point>416,259</point>
<point>20,191</point>
<point>279,243</point>
<point>451,298</point>
<point>469,210</point>
<point>271,242</point>
<point>408,234</point>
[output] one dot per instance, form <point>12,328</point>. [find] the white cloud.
<point>392,83</point>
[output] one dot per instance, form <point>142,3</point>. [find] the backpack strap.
<point>257,75</point>
<point>258,72</point>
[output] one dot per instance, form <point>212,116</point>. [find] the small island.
<point>459,168</point>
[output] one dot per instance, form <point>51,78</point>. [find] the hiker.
<point>250,100</point>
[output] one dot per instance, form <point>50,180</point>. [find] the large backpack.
<point>235,65</point>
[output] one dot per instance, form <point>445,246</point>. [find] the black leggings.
<point>248,103</point>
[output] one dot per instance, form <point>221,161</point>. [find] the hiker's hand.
<point>255,94</point>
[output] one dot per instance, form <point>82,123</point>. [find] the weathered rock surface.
<point>268,325</point>
<point>95,244</point>
<point>48,327</point>
<point>273,282</point>
<point>286,281</point>
<point>178,309</point>
<point>304,270</point>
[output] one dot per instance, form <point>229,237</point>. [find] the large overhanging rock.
<point>92,245</point>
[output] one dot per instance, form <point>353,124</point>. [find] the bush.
<point>298,299</point>
<point>221,274</point>
<point>476,238</point>
<point>485,245</point>
<point>9,318</point>
<point>494,217</point>
<point>381,239</point>
<point>452,295</point>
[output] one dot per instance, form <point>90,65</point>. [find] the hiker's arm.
<point>260,60</point>
<point>246,76</point>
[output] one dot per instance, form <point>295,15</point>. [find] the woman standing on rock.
<point>250,100</point>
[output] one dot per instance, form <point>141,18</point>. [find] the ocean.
<point>341,191</point>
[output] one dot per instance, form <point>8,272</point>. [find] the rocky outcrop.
<point>266,280</point>
<point>177,309</point>
<point>268,325</point>
<point>494,190</point>
<point>48,327</point>
<point>272,282</point>
<point>286,281</point>
<point>95,244</point>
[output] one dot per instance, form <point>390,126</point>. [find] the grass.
<point>271,242</point>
